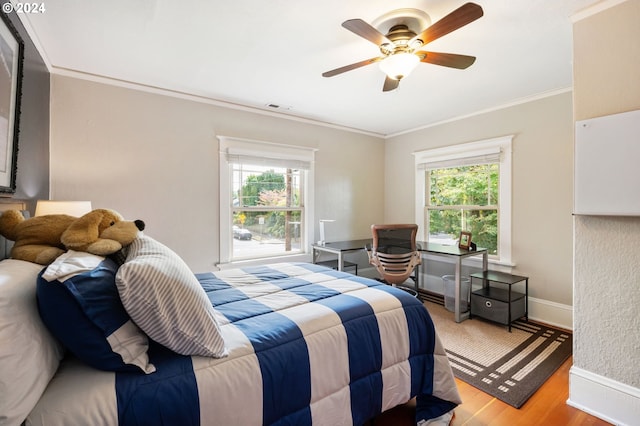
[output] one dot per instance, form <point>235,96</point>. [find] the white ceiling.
<point>258,52</point>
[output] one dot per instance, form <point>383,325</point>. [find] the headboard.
<point>5,245</point>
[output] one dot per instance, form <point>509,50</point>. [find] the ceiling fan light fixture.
<point>399,65</point>
<point>400,42</point>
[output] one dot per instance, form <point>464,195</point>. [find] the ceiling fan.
<point>400,47</point>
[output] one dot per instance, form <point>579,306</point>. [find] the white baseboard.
<point>602,397</point>
<point>551,313</point>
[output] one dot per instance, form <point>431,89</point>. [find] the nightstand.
<point>496,301</point>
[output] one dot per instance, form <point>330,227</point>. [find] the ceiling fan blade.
<point>364,30</point>
<point>390,84</point>
<point>460,17</point>
<point>350,67</point>
<point>450,60</point>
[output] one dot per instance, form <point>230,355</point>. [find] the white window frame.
<point>465,154</point>
<point>273,154</point>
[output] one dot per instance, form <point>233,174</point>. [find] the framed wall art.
<point>11,57</point>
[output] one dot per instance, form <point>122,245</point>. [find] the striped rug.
<point>508,366</point>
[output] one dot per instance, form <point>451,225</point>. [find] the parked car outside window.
<point>241,233</point>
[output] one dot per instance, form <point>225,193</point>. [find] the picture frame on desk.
<point>12,56</point>
<point>464,242</point>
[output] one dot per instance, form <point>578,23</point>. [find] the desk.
<point>339,248</point>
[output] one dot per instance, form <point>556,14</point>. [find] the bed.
<point>301,344</point>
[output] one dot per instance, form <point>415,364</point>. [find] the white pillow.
<point>165,299</point>
<point>29,355</point>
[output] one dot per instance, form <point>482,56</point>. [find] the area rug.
<point>508,366</point>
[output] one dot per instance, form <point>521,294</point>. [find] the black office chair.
<point>394,253</point>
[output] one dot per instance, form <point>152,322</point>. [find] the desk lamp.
<point>322,222</point>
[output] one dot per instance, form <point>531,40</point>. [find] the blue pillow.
<point>85,313</point>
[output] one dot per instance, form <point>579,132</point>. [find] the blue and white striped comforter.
<point>308,345</point>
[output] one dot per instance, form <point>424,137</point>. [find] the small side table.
<point>497,303</point>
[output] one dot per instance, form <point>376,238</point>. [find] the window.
<point>264,200</point>
<point>267,210</point>
<point>467,187</point>
<point>463,198</point>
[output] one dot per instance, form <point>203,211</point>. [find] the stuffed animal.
<point>42,239</point>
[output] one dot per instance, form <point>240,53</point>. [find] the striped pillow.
<point>165,299</point>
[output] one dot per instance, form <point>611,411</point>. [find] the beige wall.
<point>155,157</point>
<point>607,274</point>
<point>542,184</point>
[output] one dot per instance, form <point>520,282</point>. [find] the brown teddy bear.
<point>42,239</point>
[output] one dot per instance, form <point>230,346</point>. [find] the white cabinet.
<point>607,165</point>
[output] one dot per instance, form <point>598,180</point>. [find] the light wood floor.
<point>546,407</point>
